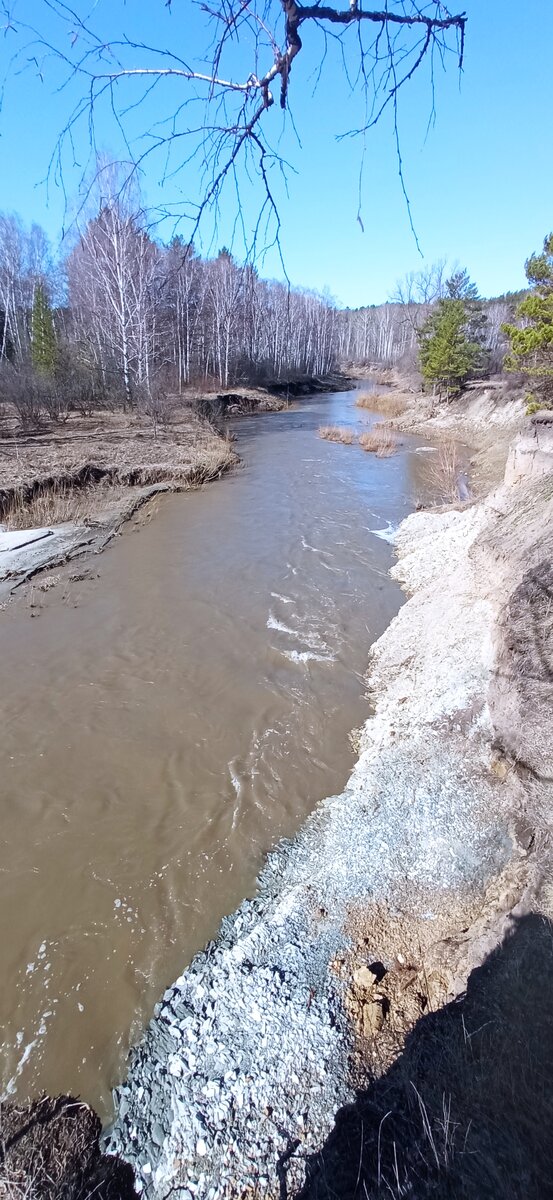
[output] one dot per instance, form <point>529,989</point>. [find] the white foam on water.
<point>303,656</point>
<point>234,778</point>
<point>283,599</point>
<point>307,546</point>
<point>388,534</point>
<point>12,1083</point>
<point>274,623</point>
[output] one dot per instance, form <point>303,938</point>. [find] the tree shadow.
<point>466,1111</point>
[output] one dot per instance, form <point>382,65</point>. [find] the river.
<point>167,719</point>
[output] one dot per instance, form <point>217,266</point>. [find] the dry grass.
<point>442,472</point>
<point>58,502</point>
<point>388,403</point>
<point>49,1151</point>
<point>381,440</point>
<point>337,433</point>
<point>78,475</point>
<point>58,505</point>
<point>123,445</point>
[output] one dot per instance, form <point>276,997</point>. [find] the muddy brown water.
<point>166,721</point>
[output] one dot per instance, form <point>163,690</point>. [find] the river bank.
<point>485,418</point>
<point>171,716</point>
<point>392,892</point>
<point>67,491</point>
<point>68,487</point>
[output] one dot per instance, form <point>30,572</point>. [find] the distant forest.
<point>120,313</point>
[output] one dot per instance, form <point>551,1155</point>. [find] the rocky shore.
<point>392,892</point>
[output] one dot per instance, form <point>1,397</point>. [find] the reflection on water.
<point>168,720</point>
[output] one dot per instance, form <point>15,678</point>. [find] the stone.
<point>158,1133</point>
<point>364,978</point>
<point>373,1018</point>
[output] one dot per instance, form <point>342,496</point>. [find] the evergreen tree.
<point>43,333</point>
<point>532,344</point>
<point>449,352</point>
<point>459,286</point>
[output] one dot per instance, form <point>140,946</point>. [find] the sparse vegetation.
<point>49,1151</point>
<point>532,340</point>
<point>533,405</point>
<point>380,440</point>
<point>88,470</point>
<point>337,433</point>
<point>59,504</point>
<point>384,402</point>
<point>442,472</point>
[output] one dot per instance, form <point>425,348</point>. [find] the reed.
<point>337,433</point>
<point>380,440</point>
<point>385,402</point>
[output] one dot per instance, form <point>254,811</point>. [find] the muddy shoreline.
<point>79,482</point>
<point>77,488</point>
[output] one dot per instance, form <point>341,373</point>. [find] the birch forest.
<point>131,315</point>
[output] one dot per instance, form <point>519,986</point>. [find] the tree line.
<point>122,317</point>
<point>126,313</point>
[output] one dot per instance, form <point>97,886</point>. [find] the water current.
<point>167,719</point>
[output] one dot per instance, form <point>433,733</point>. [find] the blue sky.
<point>480,180</point>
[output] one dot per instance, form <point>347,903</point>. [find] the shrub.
<point>381,440</point>
<point>337,433</point>
<point>23,389</point>
<point>384,402</point>
<point>444,471</point>
<point>534,405</point>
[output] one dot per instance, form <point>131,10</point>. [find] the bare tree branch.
<point>401,37</point>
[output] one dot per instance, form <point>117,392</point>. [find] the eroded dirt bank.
<point>392,892</point>
<point>69,486</point>
<point>68,490</point>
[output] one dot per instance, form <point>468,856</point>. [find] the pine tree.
<point>532,345</point>
<point>459,286</point>
<point>448,353</point>
<point>43,334</point>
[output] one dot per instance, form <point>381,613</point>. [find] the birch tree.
<point>113,275</point>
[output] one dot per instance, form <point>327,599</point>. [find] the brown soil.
<point>465,1110</point>
<point>402,965</point>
